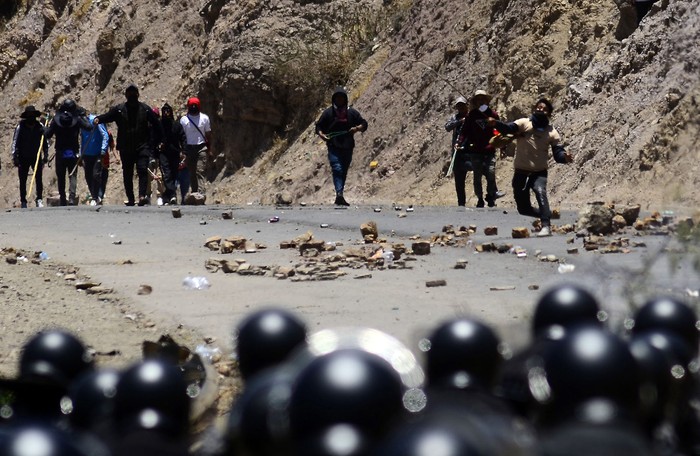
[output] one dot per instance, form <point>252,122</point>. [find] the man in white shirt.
<point>198,131</point>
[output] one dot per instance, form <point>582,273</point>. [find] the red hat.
<point>193,101</point>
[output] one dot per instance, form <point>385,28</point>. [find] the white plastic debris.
<point>195,283</point>
<point>566,268</point>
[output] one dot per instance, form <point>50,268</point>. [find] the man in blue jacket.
<point>337,126</point>
<point>95,144</point>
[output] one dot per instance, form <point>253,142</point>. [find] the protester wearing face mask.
<point>534,136</point>
<point>474,139</point>
<point>136,141</point>
<point>174,142</point>
<point>28,144</point>
<point>198,131</point>
<point>66,126</point>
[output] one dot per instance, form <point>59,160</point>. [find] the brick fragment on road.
<point>520,232</point>
<point>435,283</point>
<point>421,248</point>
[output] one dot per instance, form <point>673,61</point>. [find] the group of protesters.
<point>149,140</point>
<point>477,133</point>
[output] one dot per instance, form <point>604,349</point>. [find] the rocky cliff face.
<point>626,98</point>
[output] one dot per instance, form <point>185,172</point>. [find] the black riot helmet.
<point>54,356</point>
<point>335,440</point>
<point>152,395</point>
<point>563,306</point>
<point>266,338</point>
<point>347,386</point>
<point>427,438</point>
<point>92,398</point>
<point>463,353</point>
<point>590,363</point>
<point>669,314</point>
<point>656,379</point>
<point>258,424</point>
<point>37,440</point>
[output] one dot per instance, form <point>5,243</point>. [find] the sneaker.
<point>144,202</point>
<point>39,203</point>
<point>23,205</point>
<point>172,201</point>
<point>491,202</point>
<point>159,201</point>
<point>480,203</point>
<point>129,203</point>
<point>545,232</point>
<point>500,194</point>
<point>93,202</point>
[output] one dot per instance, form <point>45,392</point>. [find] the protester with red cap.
<point>198,131</point>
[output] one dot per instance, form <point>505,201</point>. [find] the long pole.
<point>38,155</point>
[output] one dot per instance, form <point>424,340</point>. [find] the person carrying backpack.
<point>134,120</point>
<point>337,127</point>
<point>66,125</point>
<point>28,142</point>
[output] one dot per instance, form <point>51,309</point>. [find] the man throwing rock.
<point>535,135</point>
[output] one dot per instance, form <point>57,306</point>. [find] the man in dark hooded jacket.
<point>66,125</point>
<point>134,141</point>
<point>171,152</point>
<point>27,143</point>
<point>336,126</point>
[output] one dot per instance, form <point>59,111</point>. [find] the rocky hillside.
<point>626,97</point>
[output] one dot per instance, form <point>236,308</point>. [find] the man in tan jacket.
<point>534,136</point>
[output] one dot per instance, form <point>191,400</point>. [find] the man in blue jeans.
<point>337,126</point>
<point>535,135</point>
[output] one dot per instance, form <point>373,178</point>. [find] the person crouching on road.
<point>534,136</point>
<point>66,125</point>
<point>95,144</point>
<point>337,127</point>
<point>461,166</point>
<point>27,143</point>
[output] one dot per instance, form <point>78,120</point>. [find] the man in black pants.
<point>461,165</point>
<point>26,142</point>
<point>535,136</point>
<point>66,126</point>
<point>173,146</point>
<point>133,119</point>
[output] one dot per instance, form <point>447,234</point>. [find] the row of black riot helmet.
<point>60,404</point>
<point>577,381</point>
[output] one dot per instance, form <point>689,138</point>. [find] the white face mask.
<point>483,108</point>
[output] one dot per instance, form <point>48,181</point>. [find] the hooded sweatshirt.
<point>340,119</point>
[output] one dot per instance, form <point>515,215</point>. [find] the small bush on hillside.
<point>304,73</point>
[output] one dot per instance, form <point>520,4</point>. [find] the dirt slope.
<point>626,98</point>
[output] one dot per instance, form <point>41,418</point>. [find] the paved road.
<point>164,250</point>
